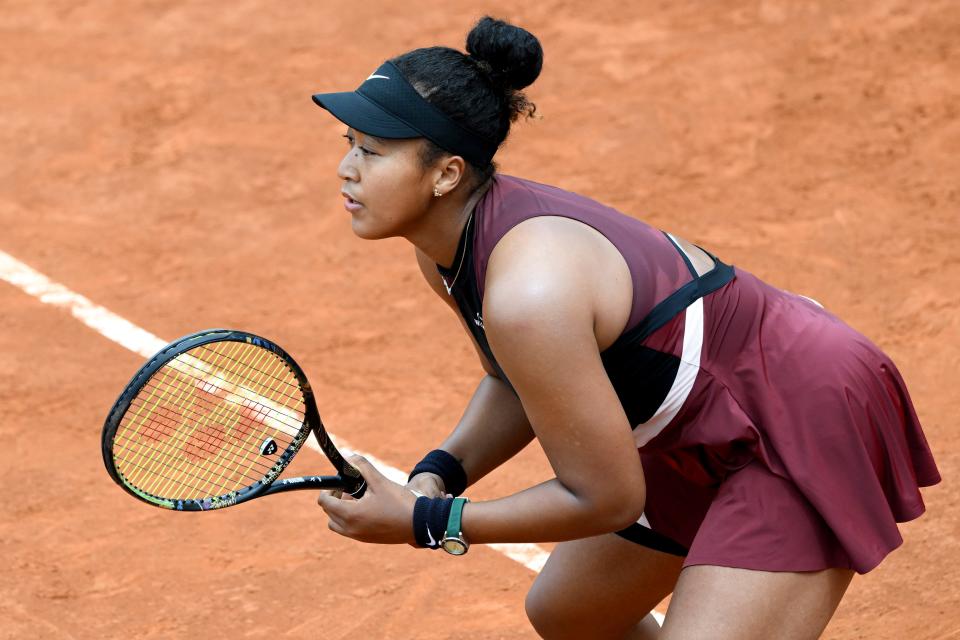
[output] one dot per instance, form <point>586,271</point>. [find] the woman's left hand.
<point>384,515</point>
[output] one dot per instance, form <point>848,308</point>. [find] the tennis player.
<point>712,436</point>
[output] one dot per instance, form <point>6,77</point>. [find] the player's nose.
<point>347,170</point>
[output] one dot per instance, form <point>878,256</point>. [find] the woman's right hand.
<point>429,485</point>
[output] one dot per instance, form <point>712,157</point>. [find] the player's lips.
<point>349,203</point>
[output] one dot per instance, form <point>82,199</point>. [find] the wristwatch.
<point>453,541</point>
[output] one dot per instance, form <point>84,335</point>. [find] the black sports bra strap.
<point>668,308</point>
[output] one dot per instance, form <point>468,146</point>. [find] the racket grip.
<point>359,491</point>
<point>353,482</point>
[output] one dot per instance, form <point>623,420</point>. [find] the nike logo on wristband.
<point>433,542</point>
<point>374,76</point>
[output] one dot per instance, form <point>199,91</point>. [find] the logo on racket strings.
<point>269,447</point>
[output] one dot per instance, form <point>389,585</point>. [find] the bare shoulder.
<point>547,249</point>
<point>559,275</point>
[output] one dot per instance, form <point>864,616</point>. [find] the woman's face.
<point>385,188</point>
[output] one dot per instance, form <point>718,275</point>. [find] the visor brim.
<point>354,110</point>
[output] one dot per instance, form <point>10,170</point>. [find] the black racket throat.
<point>338,483</point>
<point>212,420</point>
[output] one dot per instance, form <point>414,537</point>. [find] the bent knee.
<point>546,614</point>
<point>599,588</point>
<point>558,617</point>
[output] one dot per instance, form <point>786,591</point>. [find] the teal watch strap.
<point>453,541</point>
<point>454,528</point>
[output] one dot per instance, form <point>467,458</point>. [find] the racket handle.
<point>359,491</point>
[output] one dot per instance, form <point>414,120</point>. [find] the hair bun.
<point>514,55</point>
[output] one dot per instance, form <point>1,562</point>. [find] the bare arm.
<point>539,318</point>
<point>494,426</point>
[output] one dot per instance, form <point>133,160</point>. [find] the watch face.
<point>454,546</point>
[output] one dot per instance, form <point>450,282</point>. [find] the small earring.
<point>436,192</point>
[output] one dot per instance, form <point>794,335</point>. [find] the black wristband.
<point>447,467</point>
<point>430,516</point>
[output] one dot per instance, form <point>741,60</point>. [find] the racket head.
<point>210,421</point>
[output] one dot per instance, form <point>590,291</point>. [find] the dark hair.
<point>480,90</point>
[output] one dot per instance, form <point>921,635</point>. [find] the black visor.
<point>387,106</point>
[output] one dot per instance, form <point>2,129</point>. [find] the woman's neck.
<point>444,223</point>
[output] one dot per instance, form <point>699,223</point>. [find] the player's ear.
<point>450,171</point>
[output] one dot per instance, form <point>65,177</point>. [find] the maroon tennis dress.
<point>772,435</point>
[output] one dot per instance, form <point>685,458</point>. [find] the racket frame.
<point>348,478</point>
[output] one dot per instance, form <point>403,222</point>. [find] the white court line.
<point>144,343</point>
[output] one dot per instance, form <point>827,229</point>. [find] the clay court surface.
<point>165,160</point>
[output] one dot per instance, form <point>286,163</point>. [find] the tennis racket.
<point>212,420</point>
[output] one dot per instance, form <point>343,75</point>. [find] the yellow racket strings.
<point>204,450</point>
<point>174,392</point>
<point>213,420</point>
<point>200,434</point>
<point>245,416</point>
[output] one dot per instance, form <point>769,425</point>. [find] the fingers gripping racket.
<point>212,420</point>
